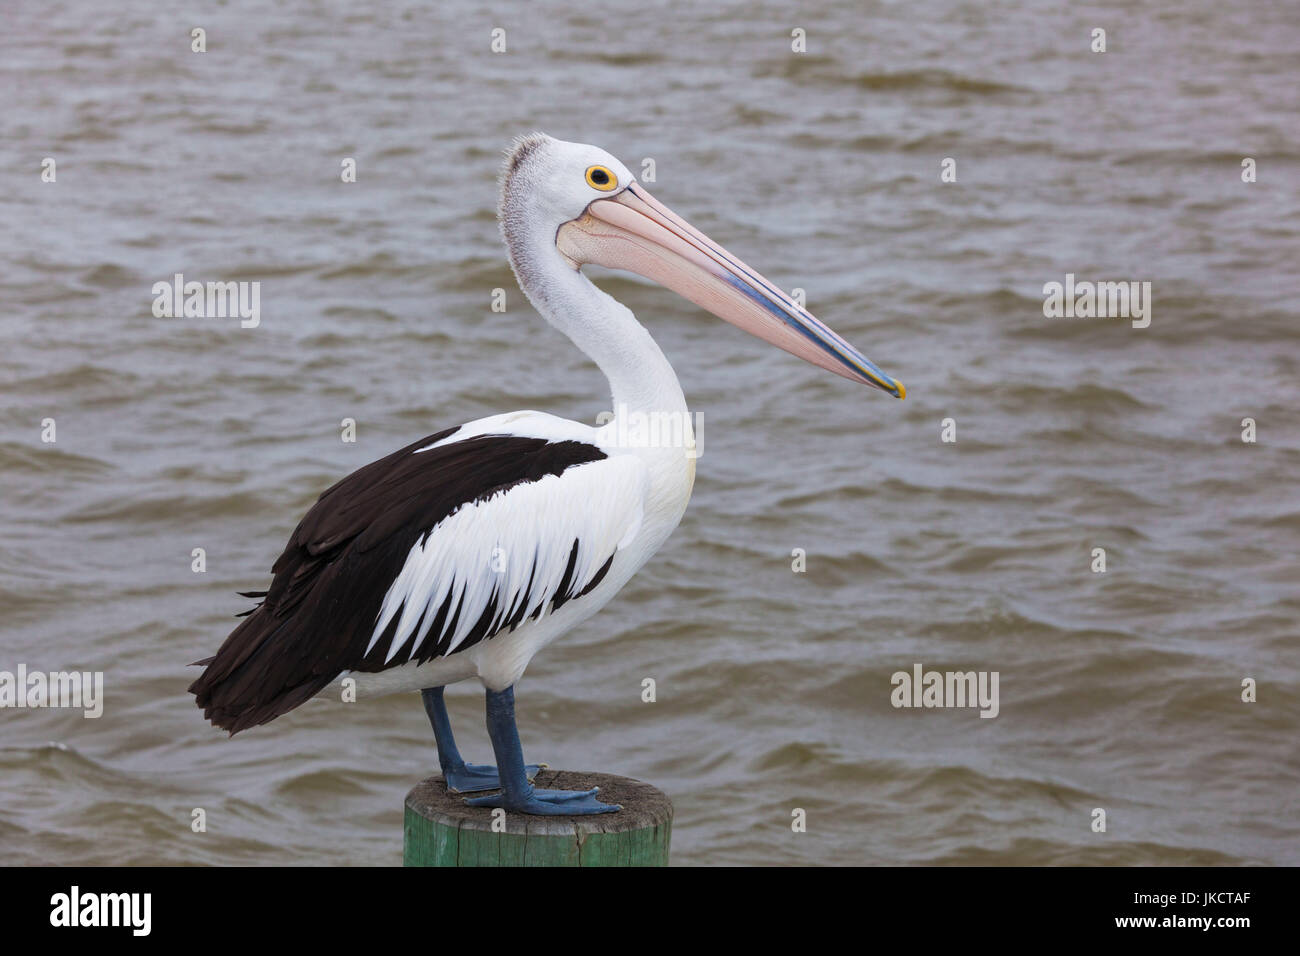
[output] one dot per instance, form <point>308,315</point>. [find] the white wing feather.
<point>487,549</point>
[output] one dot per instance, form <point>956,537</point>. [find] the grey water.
<point>1120,690</point>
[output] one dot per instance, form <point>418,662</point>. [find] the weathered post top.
<point>441,830</point>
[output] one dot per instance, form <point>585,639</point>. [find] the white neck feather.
<point>640,378</point>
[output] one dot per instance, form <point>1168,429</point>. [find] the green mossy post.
<point>441,830</point>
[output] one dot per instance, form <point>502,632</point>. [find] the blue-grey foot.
<point>473,777</point>
<point>553,803</point>
<point>517,794</point>
<point>461,777</point>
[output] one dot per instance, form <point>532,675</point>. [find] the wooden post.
<point>441,830</point>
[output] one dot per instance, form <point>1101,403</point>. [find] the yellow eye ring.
<point>600,177</point>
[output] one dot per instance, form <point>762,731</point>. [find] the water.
<point>1118,690</point>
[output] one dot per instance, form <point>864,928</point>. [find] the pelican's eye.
<point>598,177</point>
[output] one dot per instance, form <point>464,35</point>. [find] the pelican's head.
<point>589,205</point>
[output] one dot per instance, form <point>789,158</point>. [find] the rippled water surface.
<point>1118,690</point>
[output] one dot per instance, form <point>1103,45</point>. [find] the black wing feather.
<point>318,614</point>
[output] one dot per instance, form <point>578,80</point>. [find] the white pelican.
<point>465,553</point>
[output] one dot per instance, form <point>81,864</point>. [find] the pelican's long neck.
<point>640,378</point>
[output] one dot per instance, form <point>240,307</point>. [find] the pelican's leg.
<point>517,792</point>
<point>461,777</point>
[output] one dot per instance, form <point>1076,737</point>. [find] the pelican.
<point>465,553</point>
